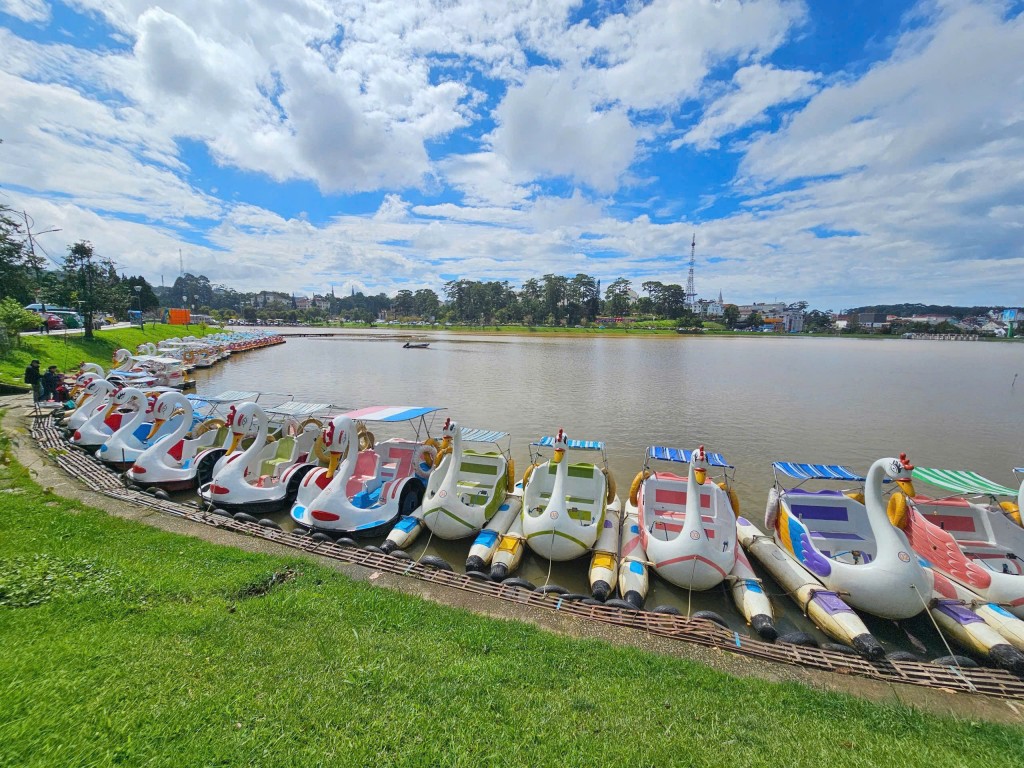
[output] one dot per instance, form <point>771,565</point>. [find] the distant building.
<point>873,320</point>
<point>301,302</point>
<point>266,298</point>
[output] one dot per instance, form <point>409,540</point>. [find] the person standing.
<point>51,380</point>
<point>34,378</point>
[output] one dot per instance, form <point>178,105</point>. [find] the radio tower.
<point>691,291</point>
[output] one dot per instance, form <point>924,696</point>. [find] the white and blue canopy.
<point>683,456</point>
<point>297,410</point>
<point>482,435</point>
<point>391,412</point>
<point>816,471</point>
<point>230,396</point>
<point>583,445</point>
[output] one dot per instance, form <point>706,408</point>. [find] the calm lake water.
<point>756,400</point>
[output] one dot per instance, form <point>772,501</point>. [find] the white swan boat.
<point>571,509</point>
<point>94,396</point>
<point>856,550</point>
<point>466,491</point>
<point>374,483</point>
<point>98,426</point>
<point>687,528</point>
<point>266,475</point>
<point>136,430</point>
<point>849,546</point>
<point>180,458</point>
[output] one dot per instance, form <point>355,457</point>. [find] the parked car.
<point>53,322</point>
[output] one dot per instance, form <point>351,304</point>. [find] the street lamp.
<point>138,296</point>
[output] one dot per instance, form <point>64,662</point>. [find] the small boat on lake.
<point>416,345</point>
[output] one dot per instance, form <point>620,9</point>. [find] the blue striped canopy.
<point>683,456</point>
<point>816,471</point>
<point>1019,469</point>
<point>583,445</point>
<point>482,435</point>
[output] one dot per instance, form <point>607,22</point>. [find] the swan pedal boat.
<point>856,551</point>
<point>465,491</point>
<point>850,546</point>
<point>687,530</point>
<point>179,459</point>
<point>93,396</point>
<point>975,544</point>
<point>143,428</point>
<point>367,486</point>
<point>266,476</point>
<point>569,509</point>
<point>121,405</point>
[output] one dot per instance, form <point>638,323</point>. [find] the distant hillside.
<point>908,310</point>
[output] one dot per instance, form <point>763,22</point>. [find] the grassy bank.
<point>67,351</point>
<point>123,644</point>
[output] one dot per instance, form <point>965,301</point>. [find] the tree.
<point>427,303</point>
<point>19,269</point>
<point>817,321</point>
<point>754,320</point>
<point>91,283</point>
<point>617,297</point>
<point>14,320</point>
<point>731,315</point>
<point>147,300</point>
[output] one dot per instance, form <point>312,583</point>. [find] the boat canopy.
<point>298,410</point>
<point>230,396</point>
<point>683,456</point>
<point>961,481</point>
<point>816,471</point>
<point>391,412</point>
<point>482,435</point>
<point>583,445</point>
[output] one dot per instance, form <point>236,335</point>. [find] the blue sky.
<point>841,153</point>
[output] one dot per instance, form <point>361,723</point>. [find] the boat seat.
<point>397,459</point>
<point>365,476</point>
<point>284,453</point>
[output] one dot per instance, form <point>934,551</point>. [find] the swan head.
<point>561,444</point>
<point>448,432</point>
<point>163,410</point>
<point>699,462</point>
<point>122,397</point>
<point>241,421</point>
<point>81,382</point>
<point>901,471</point>
<point>337,437</point>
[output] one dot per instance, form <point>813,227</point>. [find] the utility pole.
<point>35,260</point>
<point>691,291</point>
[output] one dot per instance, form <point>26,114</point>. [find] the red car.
<point>53,322</point>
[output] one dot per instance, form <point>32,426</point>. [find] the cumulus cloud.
<point>495,141</point>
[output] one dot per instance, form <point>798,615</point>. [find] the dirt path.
<point>16,422</point>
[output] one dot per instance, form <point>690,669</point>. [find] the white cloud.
<point>27,10</point>
<point>754,90</point>
<point>551,127</point>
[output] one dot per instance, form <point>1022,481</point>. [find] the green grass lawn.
<point>66,352</point>
<point>123,644</point>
